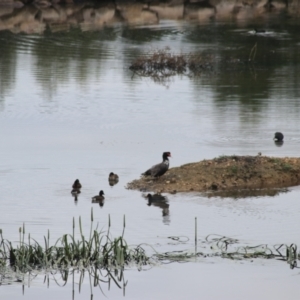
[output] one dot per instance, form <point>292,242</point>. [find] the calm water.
<point>70,108</point>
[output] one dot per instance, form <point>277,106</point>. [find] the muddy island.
<point>225,174</point>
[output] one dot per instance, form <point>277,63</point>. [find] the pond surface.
<point>71,108</point>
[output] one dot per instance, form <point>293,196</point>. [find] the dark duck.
<point>76,184</point>
<point>76,189</point>
<point>113,179</point>
<point>98,198</point>
<point>159,169</point>
<point>278,137</point>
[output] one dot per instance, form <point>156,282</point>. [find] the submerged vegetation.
<point>161,64</point>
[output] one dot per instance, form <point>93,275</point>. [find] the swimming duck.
<point>113,179</point>
<point>99,197</point>
<point>76,184</point>
<point>278,137</point>
<point>113,176</point>
<point>159,169</point>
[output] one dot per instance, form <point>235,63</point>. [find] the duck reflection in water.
<point>99,199</point>
<point>113,179</point>
<point>162,202</point>
<point>76,189</point>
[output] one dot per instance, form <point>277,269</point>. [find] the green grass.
<point>102,252</point>
<point>99,250</point>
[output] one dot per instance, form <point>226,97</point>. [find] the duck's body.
<point>76,189</point>
<point>159,169</point>
<point>113,179</point>
<point>278,137</point>
<point>113,176</point>
<point>99,197</point>
<point>76,184</point>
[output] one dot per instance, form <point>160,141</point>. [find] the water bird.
<point>159,169</point>
<point>113,179</point>
<point>99,197</point>
<point>76,189</point>
<point>76,184</point>
<point>278,137</point>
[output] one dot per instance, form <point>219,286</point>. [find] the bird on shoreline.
<point>278,137</point>
<point>161,168</point>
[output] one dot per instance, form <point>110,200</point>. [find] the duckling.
<point>76,189</point>
<point>76,184</point>
<point>99,197</point>
<point>113,179</point>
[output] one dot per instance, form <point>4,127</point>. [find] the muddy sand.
<point>226,174</point>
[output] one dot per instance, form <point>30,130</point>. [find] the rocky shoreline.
<point>35,16</point>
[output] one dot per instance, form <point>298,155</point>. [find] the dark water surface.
<point>70,108</point>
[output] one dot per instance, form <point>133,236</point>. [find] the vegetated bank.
<point>226,174</point>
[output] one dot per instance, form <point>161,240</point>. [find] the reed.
<point>102,252</point>
<point>99,250</point>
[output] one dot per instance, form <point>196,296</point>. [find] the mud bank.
<point>224,174</point>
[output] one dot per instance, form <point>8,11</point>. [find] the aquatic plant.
<point>99,250</point>
<point>160,64</point>
<point>226,247</point>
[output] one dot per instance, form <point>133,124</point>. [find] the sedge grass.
<point>99,250</point>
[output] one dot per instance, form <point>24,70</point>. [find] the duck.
<point>278,137</point>
<point>76,189</point>
<point>76,184</point>
<point>161,168</point>
<point>99,197</point>
<point>113,179</point>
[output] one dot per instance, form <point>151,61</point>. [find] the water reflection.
<point>98,278</point>
<point>250,193</point>
<point>162,202</point>
<point>38,18</point>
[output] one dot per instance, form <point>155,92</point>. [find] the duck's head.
<point>166,155</point>
<point>101,193</point>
